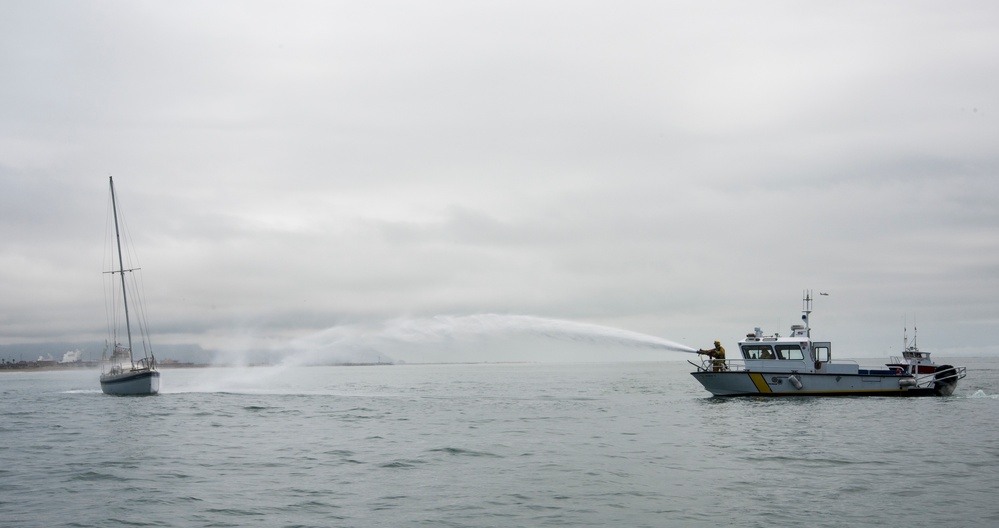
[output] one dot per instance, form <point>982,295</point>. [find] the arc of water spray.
<point>479,324</point>
<point>448,327</point>
<point>358,341</point>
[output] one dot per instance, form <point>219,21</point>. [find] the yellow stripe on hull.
<point>761,384</point>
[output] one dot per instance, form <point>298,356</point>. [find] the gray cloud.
<point>678,169</point>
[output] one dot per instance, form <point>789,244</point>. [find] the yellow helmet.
<point>717,342</point>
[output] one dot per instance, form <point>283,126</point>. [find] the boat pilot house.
<point>758,347</point>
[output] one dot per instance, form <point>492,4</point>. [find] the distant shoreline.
<point>80,365</point>
<point>35,366</point>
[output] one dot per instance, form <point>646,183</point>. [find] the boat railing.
<point>143,364</point>
<point>951,373</point>
<point>719,365</point>
<point>830,367</point>
<point>743,365</point>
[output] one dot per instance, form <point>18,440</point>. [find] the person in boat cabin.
<point>718,356</point>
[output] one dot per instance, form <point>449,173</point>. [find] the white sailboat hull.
<point>141,382</point>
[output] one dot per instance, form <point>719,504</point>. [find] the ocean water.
<point>488,445</point>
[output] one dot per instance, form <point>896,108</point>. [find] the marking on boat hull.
<point>761,384</point>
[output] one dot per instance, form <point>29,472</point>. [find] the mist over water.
<point>495,324</point>
<point>420,338</point>
<point>478,338</point>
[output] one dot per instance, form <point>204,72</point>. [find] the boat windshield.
<point>767,352</point>
<point>789,352</point>
<point>758,352</point>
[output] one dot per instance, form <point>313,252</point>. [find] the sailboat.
<point>122,373</point>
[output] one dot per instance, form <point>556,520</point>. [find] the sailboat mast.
<point>121,268</point>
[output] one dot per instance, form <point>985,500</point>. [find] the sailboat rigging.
<point>121,373</point>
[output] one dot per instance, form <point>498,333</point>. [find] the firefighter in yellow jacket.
<point>717,355</point>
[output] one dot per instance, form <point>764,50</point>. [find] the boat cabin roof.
<point>795,347</point>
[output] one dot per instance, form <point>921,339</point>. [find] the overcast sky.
<point>295,170</point>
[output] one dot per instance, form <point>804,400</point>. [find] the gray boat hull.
<point>747,383</point>
<point>142,382</point>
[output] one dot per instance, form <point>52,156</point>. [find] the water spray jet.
<point>353,341</point>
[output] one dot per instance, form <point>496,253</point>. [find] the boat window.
<point>821,351</point>
<point>789,352</point>
<point>757,352</point>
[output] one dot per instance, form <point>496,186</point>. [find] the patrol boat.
<point>794,365</point>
